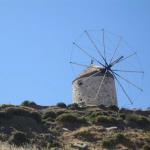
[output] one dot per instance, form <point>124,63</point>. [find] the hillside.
<point>33,127</point>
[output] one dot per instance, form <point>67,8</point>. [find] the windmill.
<point>96,84</point>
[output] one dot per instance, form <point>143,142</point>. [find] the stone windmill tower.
<point>87,90</point>
<point>95,84</point>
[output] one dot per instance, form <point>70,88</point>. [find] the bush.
<point>138,121</point>
<point>61,105</point>
<point>113,108</point>
<point>74,106</point>
<point>18,138</point>
<point>28,103</point>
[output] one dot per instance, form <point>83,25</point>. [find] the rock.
<point>65,129</point>
<point>101,129</point>
<point>80,146</point>
<point>112,128</point>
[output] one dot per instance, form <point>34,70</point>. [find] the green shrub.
<point>28,103</point>
<point>61,105</point>
<point>18,138</point>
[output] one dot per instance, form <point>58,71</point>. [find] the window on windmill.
<point>80,82</point>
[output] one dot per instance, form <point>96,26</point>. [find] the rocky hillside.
<point>33,127</point>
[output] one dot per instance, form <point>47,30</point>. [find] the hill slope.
<point>73,127</point>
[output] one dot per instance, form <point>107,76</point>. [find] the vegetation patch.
<point>56,127</point>
<point>71,120</point>
<point>73,106</point>
<point>29,104</point>
<point>138,121</point>
<point>49,114</point>
<point>120,138</point>
<point>86,136</point>
<point>61,105</point>
<point>107,121</point>
<point>16,111</point>
<point>146,147</point>
<point>18,138</point>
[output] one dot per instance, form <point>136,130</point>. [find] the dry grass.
<point>6,146</point>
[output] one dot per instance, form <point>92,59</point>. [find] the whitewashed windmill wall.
<point>85,88</point>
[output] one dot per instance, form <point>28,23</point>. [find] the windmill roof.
<point>89,71</point>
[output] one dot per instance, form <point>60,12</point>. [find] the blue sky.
<point>36,38</point>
